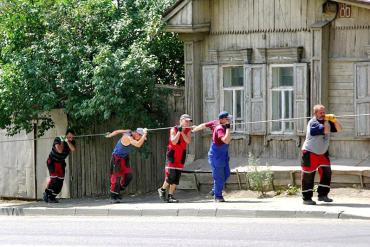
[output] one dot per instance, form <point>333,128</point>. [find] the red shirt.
<point>179,149</point>
<point>218,131</point>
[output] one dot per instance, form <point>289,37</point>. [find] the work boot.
<point>325,199</point>
<point>219,199</point>
<point>162,194</point>
<point>45,197</point>
<point>309,202</point>
<point>172,199</point>
<point>52,199</point>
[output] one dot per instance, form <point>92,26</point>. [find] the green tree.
<point>92,58</point>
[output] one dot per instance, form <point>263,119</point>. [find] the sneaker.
<point>325,199</point>
<point>115,200</point>
<point>211,193</point>
<point>172,199</point>
<point>162,194</point>
<point>45,197</point>
<point>309,202</point>
<point>219,199</point>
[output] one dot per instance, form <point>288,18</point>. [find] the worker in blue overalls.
<point>218,155</point>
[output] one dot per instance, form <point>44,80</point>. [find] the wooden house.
<point>275,59</point>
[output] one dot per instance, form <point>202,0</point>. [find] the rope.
<point>165,128</point>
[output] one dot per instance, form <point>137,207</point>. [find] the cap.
<point>224,114</point>
<point>140,131</point>
<point>186,117</point>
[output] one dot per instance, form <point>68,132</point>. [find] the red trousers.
<point>310,163</point>
<point>121,174</point>
<point>56,172</point>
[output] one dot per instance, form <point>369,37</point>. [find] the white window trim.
<point>269,99</point>
<point>222,89</point>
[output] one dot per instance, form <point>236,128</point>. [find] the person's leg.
<point>162,190</point>
<point>115,179</point>
<point>308,166</point>
<point>308,179</point>
<point>218,173</point>
<point>127,178</point>
<point>324,185</point>
<point>226,172</point>
<point>173,180</point>
<point>49,190</point>
<point>212,192</point>
<point>57,172</point>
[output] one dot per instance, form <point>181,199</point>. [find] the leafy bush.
<point>260,179</point>
<point>292,190</point>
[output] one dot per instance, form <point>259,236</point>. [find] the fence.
<point>90,164</point>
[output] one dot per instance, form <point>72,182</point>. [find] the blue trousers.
<point>218,158</point>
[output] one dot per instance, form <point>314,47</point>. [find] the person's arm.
<point>116,132</point>
<point>326,127</point>
<point>317,128</point>
<point>58,144</point>
<point>338,125</point>
<point>202,126</point>
<point>175,137</point>
<point>199,127</point>
<point>71,146</point>
<point>333,119</point>
<point>140,142</point>
<point>227,137</point>
<point>59,147</point>
<point>187,137</point>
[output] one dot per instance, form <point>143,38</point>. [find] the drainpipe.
<point>35,156</point>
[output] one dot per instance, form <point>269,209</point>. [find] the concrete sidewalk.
<point>348,206</point>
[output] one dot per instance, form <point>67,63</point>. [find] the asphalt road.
<point>180,231</point>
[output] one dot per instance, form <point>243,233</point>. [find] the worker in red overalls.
<point>121,172</point>
<point>180,136</point>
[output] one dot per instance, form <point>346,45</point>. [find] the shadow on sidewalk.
<point>350,205</point>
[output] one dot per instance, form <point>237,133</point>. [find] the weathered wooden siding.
<point>341,93</point>
<point>349,42</point>
<point>350,149</point>
<point>185,16</point>
<point>201,10</point>
<point>350,36</point>
<point>260,147</point>
<point>263,23</point>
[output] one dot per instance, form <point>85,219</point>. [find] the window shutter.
<point>255,82</point>
<point>210,92</point>
<point>362,98</point>
<point>300,97</point>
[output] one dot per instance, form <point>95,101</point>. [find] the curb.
<point>195,212</point>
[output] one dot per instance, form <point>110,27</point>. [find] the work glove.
<point>179,128</point>
<point>107,135</point>
<point>330,117</point>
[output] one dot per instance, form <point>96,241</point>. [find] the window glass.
<point>276,110</point>
<point>282,77</point>
<point>228,101</point>
<point>234,95</point>
<point>233,76</point>
<point>282,99</point>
